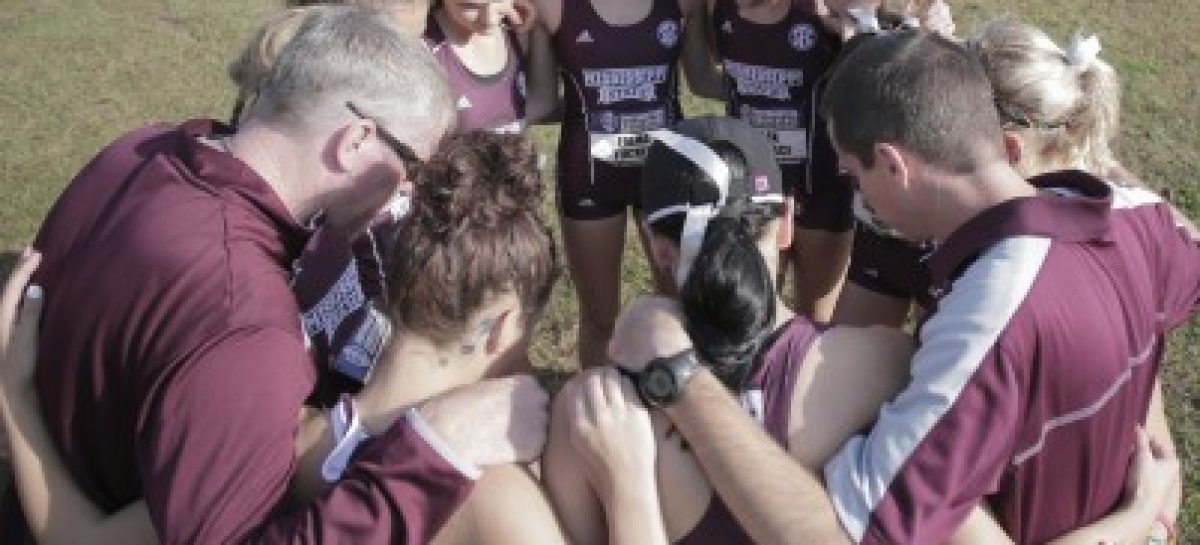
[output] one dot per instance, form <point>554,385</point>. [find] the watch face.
<point>659,384</point>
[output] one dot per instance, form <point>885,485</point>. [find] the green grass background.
<point>77,74</point>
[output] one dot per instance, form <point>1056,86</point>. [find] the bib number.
<point>791,146</point>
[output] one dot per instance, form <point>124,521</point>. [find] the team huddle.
<point>311,323</point>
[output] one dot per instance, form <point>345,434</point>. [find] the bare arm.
<point>699,61</point>
<point>1159,430</point>
<point>542,97</point>
<point>46,489</point>
<point>614,438</point>
<point>783,504</point>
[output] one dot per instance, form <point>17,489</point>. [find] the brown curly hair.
<point>476,231</point>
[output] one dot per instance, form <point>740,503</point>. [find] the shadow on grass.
<point>8,260</point>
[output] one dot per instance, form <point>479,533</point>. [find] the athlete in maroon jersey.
<point>617,61</point>
<point>485,61</point>
<point>809,388</point>
<point>464,306</point>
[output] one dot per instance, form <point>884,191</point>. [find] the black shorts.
<point>595,190</point>
<point>590,189</point>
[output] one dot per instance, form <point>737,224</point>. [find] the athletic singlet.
<point>768,398</point>
<point>771,72</point>
<point>341,292</point>
<point>493,103</point>
<point>620,81</point>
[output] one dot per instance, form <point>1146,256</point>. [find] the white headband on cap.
<point>696,217</point>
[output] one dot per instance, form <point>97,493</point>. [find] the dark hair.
<point>728,297</point>
<point>918,90</point>
<point>476,230</point>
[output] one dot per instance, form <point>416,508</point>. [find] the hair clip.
<point>1083,51</point>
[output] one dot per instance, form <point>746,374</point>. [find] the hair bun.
<point>448,200</point>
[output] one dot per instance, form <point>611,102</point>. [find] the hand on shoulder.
<point>649,328</point>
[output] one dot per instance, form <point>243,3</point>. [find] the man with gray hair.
<point>172,363</point>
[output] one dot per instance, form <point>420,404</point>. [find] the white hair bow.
<point>1083,51</point>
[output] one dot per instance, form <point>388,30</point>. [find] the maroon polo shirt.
<point>173,366</point>
<point>1032,372</point>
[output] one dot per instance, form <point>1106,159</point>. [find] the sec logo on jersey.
<point>803,37</point>
<point>668,33</point>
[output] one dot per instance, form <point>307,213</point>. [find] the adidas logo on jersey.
<point>464,103</point>
<point>585,37</point>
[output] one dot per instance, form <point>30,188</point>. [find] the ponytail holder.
<point>1083,51</point>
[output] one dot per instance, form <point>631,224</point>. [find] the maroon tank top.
<point>768,398</point>
<point>772,70</point>
<point>620,81</point>
<point>493,102</point>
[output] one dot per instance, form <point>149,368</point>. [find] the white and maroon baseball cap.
<point>691,170</point>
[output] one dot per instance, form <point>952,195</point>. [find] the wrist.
<point>375,415</point>
<point>632,492</point>
<point>701,381</point>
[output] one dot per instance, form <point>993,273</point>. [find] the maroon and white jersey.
<point>771,72</point>
<point>768,398</point>
<point>1033,371</point>
<point>494,102</point>
<point>620,83</point>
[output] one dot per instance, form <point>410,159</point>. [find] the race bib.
<point>620,138</point>
<point>619,149</point>
<point>786,130</point>
<point>791,147</point>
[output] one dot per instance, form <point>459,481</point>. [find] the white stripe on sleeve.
<point>953,344</point>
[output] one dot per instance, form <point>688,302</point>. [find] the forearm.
<point>1123,526</point>
<point>543,93</point>
<point>634,516</point>
<point>49,494</point>
<point>776,499</point>
<point>1159,430</point>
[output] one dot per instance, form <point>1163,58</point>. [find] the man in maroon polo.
<point>172,362</point>
<point>1035,368</point>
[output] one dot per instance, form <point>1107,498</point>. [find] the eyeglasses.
<point>1010,115</point>
<point>412,163</point>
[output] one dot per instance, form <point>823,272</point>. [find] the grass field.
<point>77,74</point>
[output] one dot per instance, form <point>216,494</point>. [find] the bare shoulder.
<point>875,343</point>
<point>848,373</point>
<point>875,358</point>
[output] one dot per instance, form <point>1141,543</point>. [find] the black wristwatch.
<point>661,381</point>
